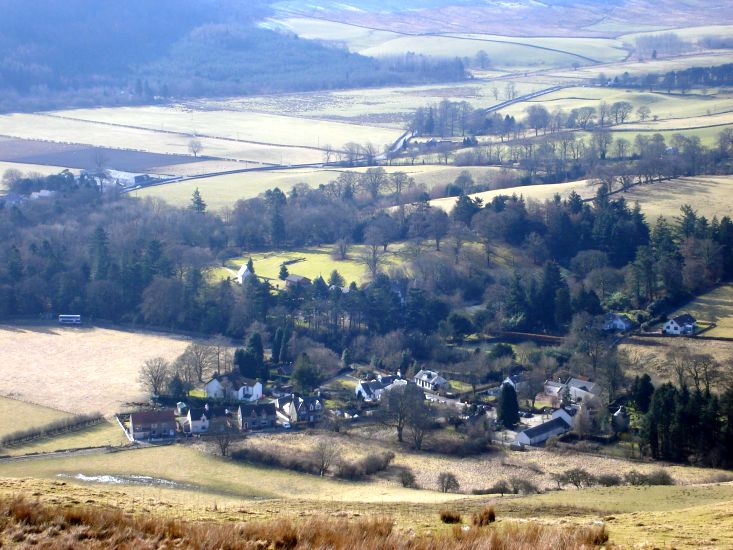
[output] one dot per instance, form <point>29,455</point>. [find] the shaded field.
<point>716,306</point>
<point>80,370</point>
<point>36,152</point>
<point>225,190</point>
<point>45,170</point>
<point>25,415</point>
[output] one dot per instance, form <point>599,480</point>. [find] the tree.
<point>335,280</point>
<point>447,482</point>
<point>507,410</point>
<point>284,273</point>
<point>643,112</point>
<point>397,404</point>
<point>225,436</point>
<point>197,202</point>
<point>482,59</point>
<point>419,421</point>
<point>642,392</point>
<point>195,146</point>
<point>154,375</point>
<point>199,359</point>
<point>306,376</point>
<point>325,451</point>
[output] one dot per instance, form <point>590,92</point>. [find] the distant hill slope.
<point>84,52</point>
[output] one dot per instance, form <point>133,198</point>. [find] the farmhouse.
<point>617,322</point>
<point>578,389</point>
<point>682,324</point>
<point>234,387</point>
<point>153,425</point>
<point>197,421</point>
<point>256,417</point>
<point>431,380</point>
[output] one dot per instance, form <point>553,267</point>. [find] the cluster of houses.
<point>681,325</point>
<point>251,412</point>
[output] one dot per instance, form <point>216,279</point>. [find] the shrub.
<point>349,470</point>
<point>634,477</point>
<point>53,428</point>
<point>447,516</point>
<point>608,480</point>
<point>484,517</point>
<point>447,482</point>
<point>373,463</point>
<point>407,478</point>
<point>579,477</point>
<point>500,487</point>
<point>659,477</point>
<point>523,486</point>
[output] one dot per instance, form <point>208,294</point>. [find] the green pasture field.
<point>688,34</point>
<point>224,191</point>
<point>314,262</point>
<point>23,416</point>
<point>715,306</point>
<point>103,434</point>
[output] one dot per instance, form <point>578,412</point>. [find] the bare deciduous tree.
<point>200,359</point>
<point>325,453</point>
<point>154,375</point>
<point>195,146</point>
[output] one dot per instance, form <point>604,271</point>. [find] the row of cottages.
<point>431,381</point>
<point>559,424</point>
<point>294,408</point>
<point>680,325</point>
<point>371,390</point>
<point>247,417</point>
<point>233,387</point>
<point>580,390</point>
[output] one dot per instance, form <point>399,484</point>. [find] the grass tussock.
<point>447,516</point>
<point>55,528</point>
<point>484,517</point>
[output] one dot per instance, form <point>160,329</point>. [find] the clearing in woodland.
<point>715,306</point>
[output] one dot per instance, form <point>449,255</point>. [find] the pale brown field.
<point>79,370</point>
<point>653,350</point>
<point>479,472</point>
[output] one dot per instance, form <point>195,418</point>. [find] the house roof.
<point>585,385</point>
<point>244,271</point>
<point>297,279</point>
<point>431,377</point>
<point>546,428</point>
<point>257,409</point>
<point>198,412</point>
<point>233,378</point>
<point>149,417</point>
<point>685,319</point>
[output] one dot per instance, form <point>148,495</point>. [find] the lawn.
<point>313,262</point>
<point>26,415</point>
<point>80,370</point>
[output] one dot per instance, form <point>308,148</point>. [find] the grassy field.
<point>224,191</point>
<point>106,433</point>
<point>31,169</point>
<point>716,306</point>
<point>652,352</point>
<point>25,415</point>
<point>708,195</point>
<point>80,370</point>
<point>315,262</point>
<point>249,126</point>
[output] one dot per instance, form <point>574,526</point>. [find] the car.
<point>286,425</point>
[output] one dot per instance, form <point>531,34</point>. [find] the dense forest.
<point>84,53</point>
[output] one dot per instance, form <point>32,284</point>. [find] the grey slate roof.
<point>545,428</point>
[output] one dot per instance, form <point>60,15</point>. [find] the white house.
<point>233,386</point>
<point>371,390</point>
<point>197,421</point>
<point>582,390</point>
<point>431,380</point>
<point>682,324</point>
<point>243,273</point>
<point>537,435</point>
<point>617,322</point>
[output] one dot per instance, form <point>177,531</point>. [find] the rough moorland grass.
<point>26,415</point>
<point>93,527</point>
